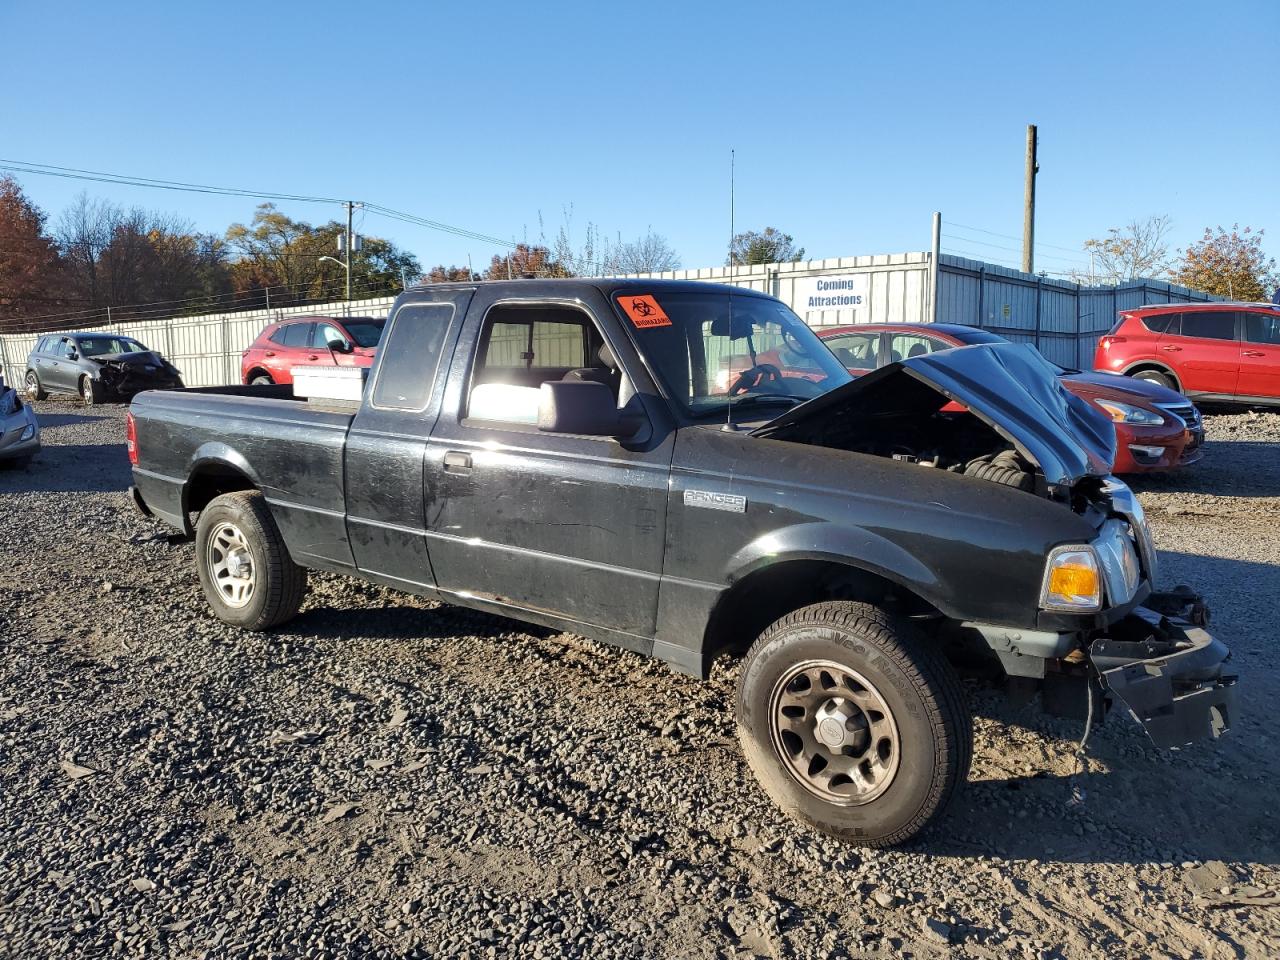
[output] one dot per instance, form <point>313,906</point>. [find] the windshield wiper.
<point>792,398</point>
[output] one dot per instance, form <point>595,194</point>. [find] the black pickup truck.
<point>684,470</point>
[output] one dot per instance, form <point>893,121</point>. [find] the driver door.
<point>569,527</point>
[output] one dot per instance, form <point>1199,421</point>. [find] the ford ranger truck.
<point>567,453</point>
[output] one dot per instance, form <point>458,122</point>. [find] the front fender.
<point>852,547</point>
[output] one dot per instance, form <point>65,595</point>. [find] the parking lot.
<point>388,776</point>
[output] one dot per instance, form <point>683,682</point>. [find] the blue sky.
<point>852,122</point>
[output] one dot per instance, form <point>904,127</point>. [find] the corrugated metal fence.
<point>205,348</point>
<point>1063,319</point>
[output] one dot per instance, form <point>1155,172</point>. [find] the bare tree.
<point>649,254</point>
<point>1127,253</point>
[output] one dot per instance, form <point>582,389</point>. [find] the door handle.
<point>1252,353</point>
<point>457,462</point>
<point>1171,348</point>
<point>313,356</point>
<point>269,353</point>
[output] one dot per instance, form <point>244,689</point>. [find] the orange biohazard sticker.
<point>644,311</point>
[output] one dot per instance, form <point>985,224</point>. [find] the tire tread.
<point>928,671</point>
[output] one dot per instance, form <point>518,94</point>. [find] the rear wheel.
<point>853,723</point>
<point>1155,376</point>
<point>34,390</point>
<point>90,391</point>
<point>245,569</point>
<point>260,379</point>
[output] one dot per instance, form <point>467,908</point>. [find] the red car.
<point>310,342</point>
<point>1156,428</point>
<point>1210,351</point>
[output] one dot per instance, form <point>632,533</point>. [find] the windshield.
<point>99,346</point>
<point>711,350</point>
<point>365,331</point>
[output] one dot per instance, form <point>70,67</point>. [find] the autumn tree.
<point>138,261</point>
<point>526,260</point>
<point>768,246</point>
<point>1136,250</point>
<point>29,261</point>
<point>443,274</point>
<point>1231,265</point>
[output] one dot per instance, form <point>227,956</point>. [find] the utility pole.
<point>1029,204</point>
<point>935,253</point>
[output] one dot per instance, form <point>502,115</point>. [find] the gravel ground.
<point>391,777</point>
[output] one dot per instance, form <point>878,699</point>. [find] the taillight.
<point>131,438</point>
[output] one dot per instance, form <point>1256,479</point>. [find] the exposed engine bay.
<point>994,412</point>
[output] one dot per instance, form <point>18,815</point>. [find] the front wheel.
<point>245,569</point>
<point>34,390</point>
<point>853,723</point>
<point>90,391</point>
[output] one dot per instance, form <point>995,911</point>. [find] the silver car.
<point>19,431</point>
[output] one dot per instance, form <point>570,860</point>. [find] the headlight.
<point>28,433</point>
<point>1072,580</point>
<point>1127,413</point>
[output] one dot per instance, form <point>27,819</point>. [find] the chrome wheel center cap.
<point>238,564</point>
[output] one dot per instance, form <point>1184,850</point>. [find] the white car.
<point>19,431</point>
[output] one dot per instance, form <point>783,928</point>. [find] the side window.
<point>277,335</point>
<point>295,334</point>
<point>520,348</point>
<point>904,346</point>
<point>408,365</point>
<point>68,347</point>
<point>1209,325</point>
<point>42,345</point>
<point>1262,327</point>
<point>324,332</point>
<point>1162,322</point>
<point>856,351</point>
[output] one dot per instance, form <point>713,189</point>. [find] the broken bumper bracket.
<point>1172,681</point>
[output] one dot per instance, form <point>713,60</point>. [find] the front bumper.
<point>12,428</point>
<point>1168,670</point>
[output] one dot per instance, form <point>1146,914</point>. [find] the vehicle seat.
<point>917,350</point>
<point>605,371</point>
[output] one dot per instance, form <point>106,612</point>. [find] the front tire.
<point>34,390</point>
<point>245,569</point>
<point>90,391</point>
<point>853,723</point>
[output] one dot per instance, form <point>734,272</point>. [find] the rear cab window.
<point>408,367</point>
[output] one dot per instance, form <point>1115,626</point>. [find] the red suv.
<point>310,342</point>
<point>1156,429</point>
<point>1210,351</point>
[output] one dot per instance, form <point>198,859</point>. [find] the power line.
<point>1008,236</point>
<point>73,173</point>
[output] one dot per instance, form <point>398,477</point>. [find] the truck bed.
<point>291,450</point>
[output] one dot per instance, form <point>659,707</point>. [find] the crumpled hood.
<point>134,358</point>
<point>1010,386</point>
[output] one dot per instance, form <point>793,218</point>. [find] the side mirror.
<point>340,346</point>
<point>583,407</point>
<point>72,355</point>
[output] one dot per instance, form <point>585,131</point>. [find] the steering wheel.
<point>757,376</point>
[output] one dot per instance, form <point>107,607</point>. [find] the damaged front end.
<point>999,413</point>
<point>127,374</point>
<point>1168,670</point>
